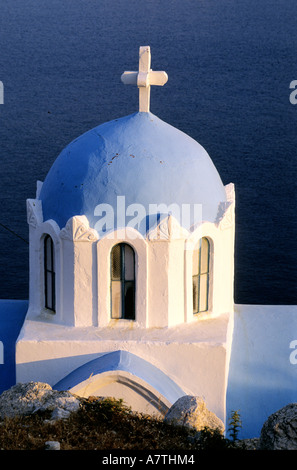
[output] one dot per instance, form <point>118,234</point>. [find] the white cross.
<point>144,78</point>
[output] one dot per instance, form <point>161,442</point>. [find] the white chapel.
<point>132,265</point>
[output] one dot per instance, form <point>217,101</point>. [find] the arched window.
<point>201,276</point>
<point>49,274</point>
<point>123,282</point>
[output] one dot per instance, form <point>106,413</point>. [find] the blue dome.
<point>139,157</point>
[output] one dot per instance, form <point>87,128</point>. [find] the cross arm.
<point>145,78</point>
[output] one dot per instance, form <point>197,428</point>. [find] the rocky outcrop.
<point>33,397</point>
<point>192,412</point>
<point>247,444</point>
<point>279,431</point>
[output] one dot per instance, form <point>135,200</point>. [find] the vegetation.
<point>104,425</point>
<point>234,425</point>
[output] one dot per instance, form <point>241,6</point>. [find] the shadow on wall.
<point>262,375</point>
<point>12,316</point>
<point>117,368</point>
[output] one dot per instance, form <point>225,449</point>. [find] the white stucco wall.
<point>263,367</point>
<point>163,262</point>
<point>195,356</point>
<point>103,251</point>
<point>193,351</point>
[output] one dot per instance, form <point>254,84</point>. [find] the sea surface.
<point>230,64</point>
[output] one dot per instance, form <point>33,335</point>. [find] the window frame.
<point>49,273</point>
<point>199,277</point>
<point>123,283</point>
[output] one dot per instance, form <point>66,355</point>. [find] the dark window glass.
<point>49,274</point>
<point>201,276</point>
<point>123,282</point>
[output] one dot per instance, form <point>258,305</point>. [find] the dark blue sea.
<point>230,64</point>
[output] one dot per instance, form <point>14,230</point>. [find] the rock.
<point>192,412</point>
<point>60,413</point>
<point>279,432</point>
<point>31,397</point>
<point>248,444</point>
<point>52,445</point>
